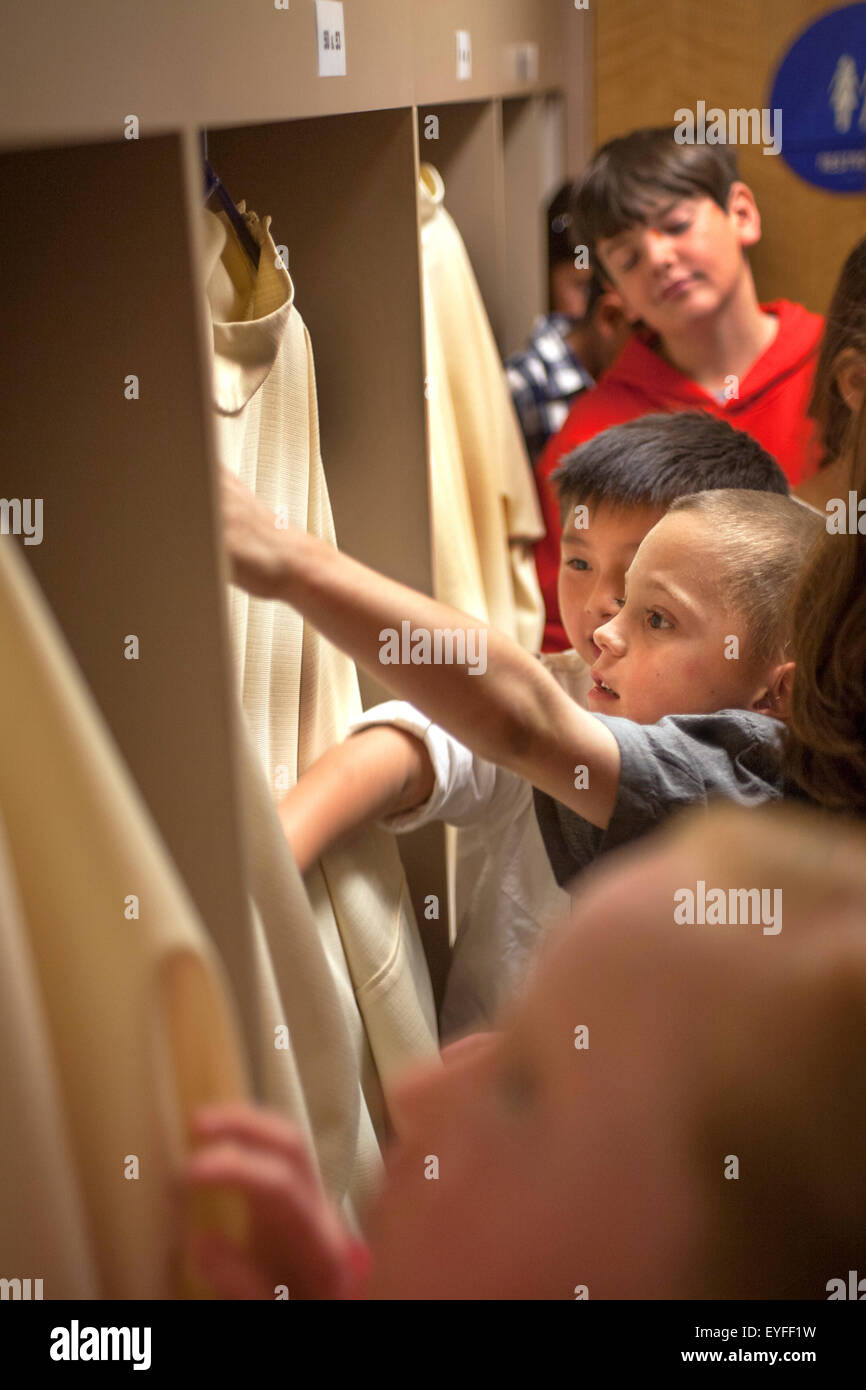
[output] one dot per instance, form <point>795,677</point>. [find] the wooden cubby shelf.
<point>108,280</point>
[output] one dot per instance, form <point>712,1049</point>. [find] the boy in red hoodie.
<point>669,224</point>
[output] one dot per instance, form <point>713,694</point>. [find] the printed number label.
<point>464,55</point>
<point>331,30</point>
<point>526,62</point>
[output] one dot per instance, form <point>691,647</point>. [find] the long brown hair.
<point>845,327</point>
<point>826,752</point>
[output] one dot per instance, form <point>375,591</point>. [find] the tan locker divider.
<point>342,194</point>
<point>554,164</point>
<point>579,82</point>
<point>465,145</point>
<point>525,296</point>
<point>98,289</point>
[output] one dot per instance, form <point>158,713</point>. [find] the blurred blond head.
<point>589,1145</point>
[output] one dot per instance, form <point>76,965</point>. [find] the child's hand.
<point>296,1237</point>
<point>256,549</point>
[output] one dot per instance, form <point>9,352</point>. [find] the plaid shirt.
<point>544,381</point>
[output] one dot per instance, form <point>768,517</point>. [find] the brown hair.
<point>761,542</point>
<point>651,461</point>
<point>629,176</point>
<point>845,327</point>
<point>826,742</point>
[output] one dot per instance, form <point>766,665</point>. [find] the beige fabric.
<point>43,1224</point>
<point>299,694</point>
<point>485,507</point>
<point>315,1080</point>
<point>123,1025</point>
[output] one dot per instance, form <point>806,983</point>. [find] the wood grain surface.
<point>652,58</point>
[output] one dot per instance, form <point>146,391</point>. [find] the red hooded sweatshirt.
<point>771,406</point>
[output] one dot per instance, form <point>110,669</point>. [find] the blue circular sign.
<point>820,88</point>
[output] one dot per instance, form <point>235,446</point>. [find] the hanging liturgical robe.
<point>485,507</point>
<point>299,695</point>
<point>43,1221</point>
<point>114,1010</point>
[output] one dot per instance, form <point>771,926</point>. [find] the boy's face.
<point>551,1168</point>
<point>569,289</point>
<point>665,651</point>
<point>686,263</point>
<point>593,562</point>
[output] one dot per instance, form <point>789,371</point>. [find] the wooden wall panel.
<point>652,59</point>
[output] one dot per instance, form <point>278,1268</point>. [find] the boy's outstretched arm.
<point>375,773</point>
<point>510,711</point>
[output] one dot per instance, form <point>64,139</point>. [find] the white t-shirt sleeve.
<point>465,787</point>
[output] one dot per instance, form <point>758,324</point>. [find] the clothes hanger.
<point>213,184</point>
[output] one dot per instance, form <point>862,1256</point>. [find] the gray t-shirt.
<point>683,760</point>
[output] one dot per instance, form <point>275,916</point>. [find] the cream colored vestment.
<point>485,506</point>
<point>299,694</point>
<point>114,1010</point>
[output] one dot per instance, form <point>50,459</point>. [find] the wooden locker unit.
<point>341,192</point>
<point>108,283</point>
<point>352,240</point>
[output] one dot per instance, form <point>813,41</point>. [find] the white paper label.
<point>331,30</point>
<point>526,62</point>
<point>464,54</point>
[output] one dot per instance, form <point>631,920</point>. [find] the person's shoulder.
<point>629,387</point>
<point>609,402</point>
<point>751,740</point>
<point>731,726</point>
<point>544,327</point>
<point>736,748</point>
<point>521,369</point>
<point>798,326</point>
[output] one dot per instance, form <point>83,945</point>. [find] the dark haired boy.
<point>670,225</point>
<point>407,771</point>
<point>570,346</point>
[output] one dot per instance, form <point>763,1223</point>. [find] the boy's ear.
<point>743,212</point>
<point>610,318</point>
<point>613,302</point>
<point>776,698</point>
<point>849,372</point>
<point>631,315</point>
